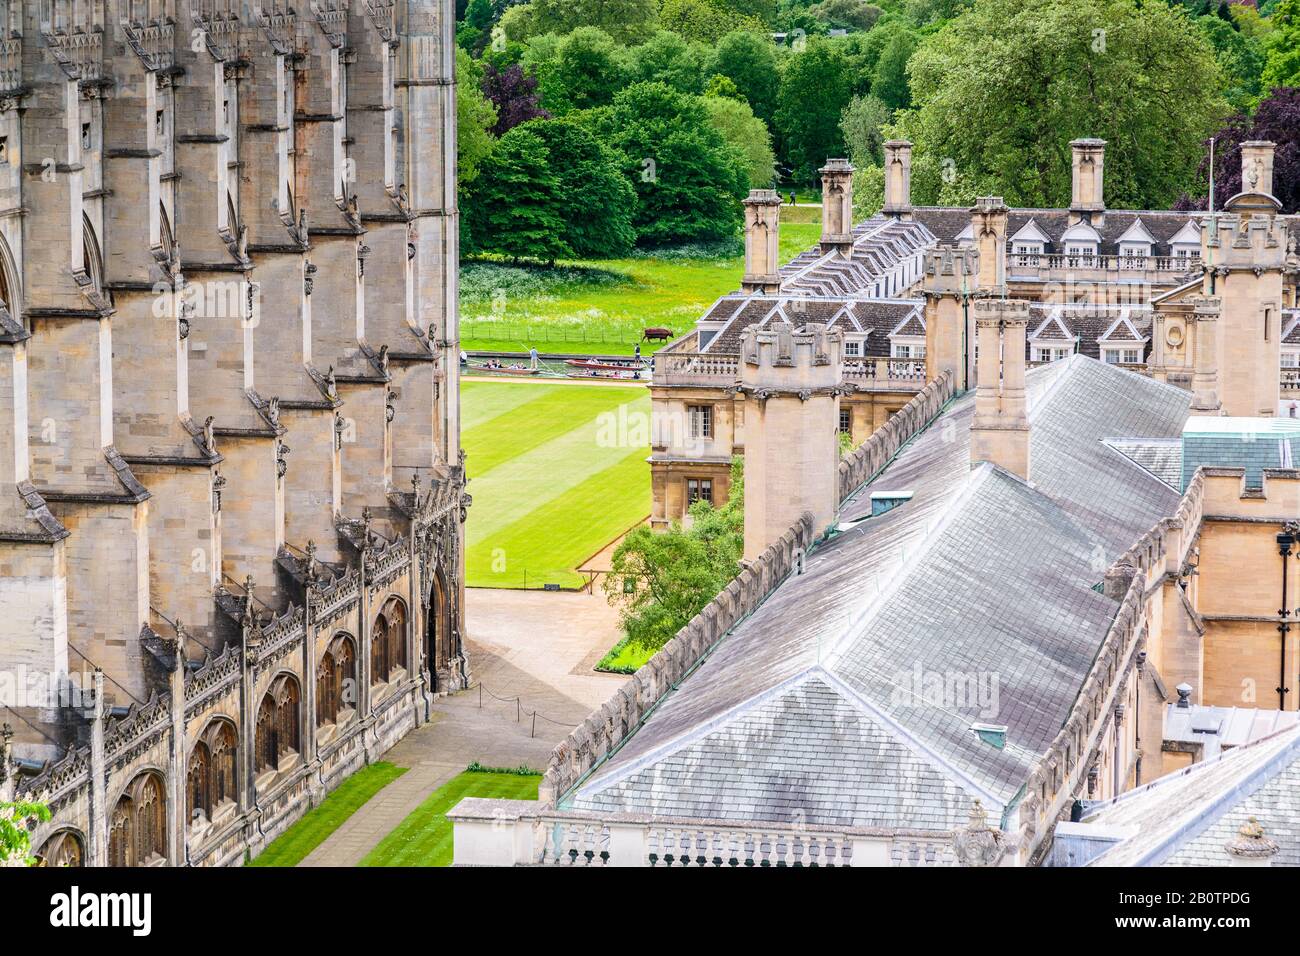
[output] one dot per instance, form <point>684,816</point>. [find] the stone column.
<point>1087,177</point>
<point>762,243</point>
<point>837,207</point>
<point>792,383</point>
<point>1205,378</point>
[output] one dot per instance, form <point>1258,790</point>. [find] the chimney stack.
<point>792,382</point>
<point>1000,431</point>
<point>837,207</point>
<point>898,179</point>
<point>988,220</point>
<point>1087,178</point>
<point>1257,167</point>
<point>762,243</point>
<point>951,277</point>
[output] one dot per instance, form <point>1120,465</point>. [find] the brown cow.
<point>656,334</point>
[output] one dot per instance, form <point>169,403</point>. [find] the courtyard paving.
<point>539,647</point>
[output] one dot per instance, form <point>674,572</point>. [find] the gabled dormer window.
<point>1081,243</point>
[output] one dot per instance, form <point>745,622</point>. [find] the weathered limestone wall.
<point>179,412</point>
<point>792,382</point>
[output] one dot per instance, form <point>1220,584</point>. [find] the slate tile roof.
<point>918,594</point>
<point>1185,819</point>
<point>876,317</point>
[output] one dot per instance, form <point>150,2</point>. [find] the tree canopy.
<point>815,88</point>
<point>1002,89</point>
<point>662,580</point>
<point>747,134</point>
<point>689,181</point>
<point>515,207</point>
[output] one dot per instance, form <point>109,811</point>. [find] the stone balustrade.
<point>695,368</point>
<point>887,374</point>
<point>521,833</point>
<point>1164,269</point>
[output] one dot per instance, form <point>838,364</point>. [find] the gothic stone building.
<point>231,487</point>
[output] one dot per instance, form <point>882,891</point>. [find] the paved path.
<point>534,645</point>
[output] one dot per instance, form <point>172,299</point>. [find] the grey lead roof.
<point>973,601</point>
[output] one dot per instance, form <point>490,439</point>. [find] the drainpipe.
<point>1285,540</point>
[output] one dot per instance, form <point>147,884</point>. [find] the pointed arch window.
<point>211,770</point>
<point>277,723</point>
<point>336,680</point>
<point>137,833</point>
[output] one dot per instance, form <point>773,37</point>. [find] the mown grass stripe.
<point>424,838</point>
<point>295,844</point>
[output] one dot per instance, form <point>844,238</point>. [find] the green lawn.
<point>557,472</point>
<point>425,837</point>
<point>602,306</point>
<point>625,658</point>
<point>292,846</point>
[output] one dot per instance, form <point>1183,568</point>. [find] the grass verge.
<point>602,307</point>
<point>294,845</point>
<point>424,838</point>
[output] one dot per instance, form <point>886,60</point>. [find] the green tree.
<point>724,87</point>
<point>474,31</point>
<point>597,202</point>
<point>689,182</point>
<point>1001,90</point>
<point>749,61</point>
<point>746,133</point>
<point>706,21</point>
<point>889,76</point>
<point>586,71</point>
<point>515,207</point>
<point>846,14</point>
<point>627,21</point>
<point>1240,60</point>
<point>862,125</point>
<point>816,86</point>
<point>1282,48</point>
<point>15,838</point>
<point>667,58</point>
<point>475,117</point>
<point>661,580</point>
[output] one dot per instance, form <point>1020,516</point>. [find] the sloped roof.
<point>923,588</point>
<point>1185,819</point>
<point>738,312</point>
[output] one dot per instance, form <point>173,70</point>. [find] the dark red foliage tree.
<point>1277,118</point>
<point>514,93</point>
